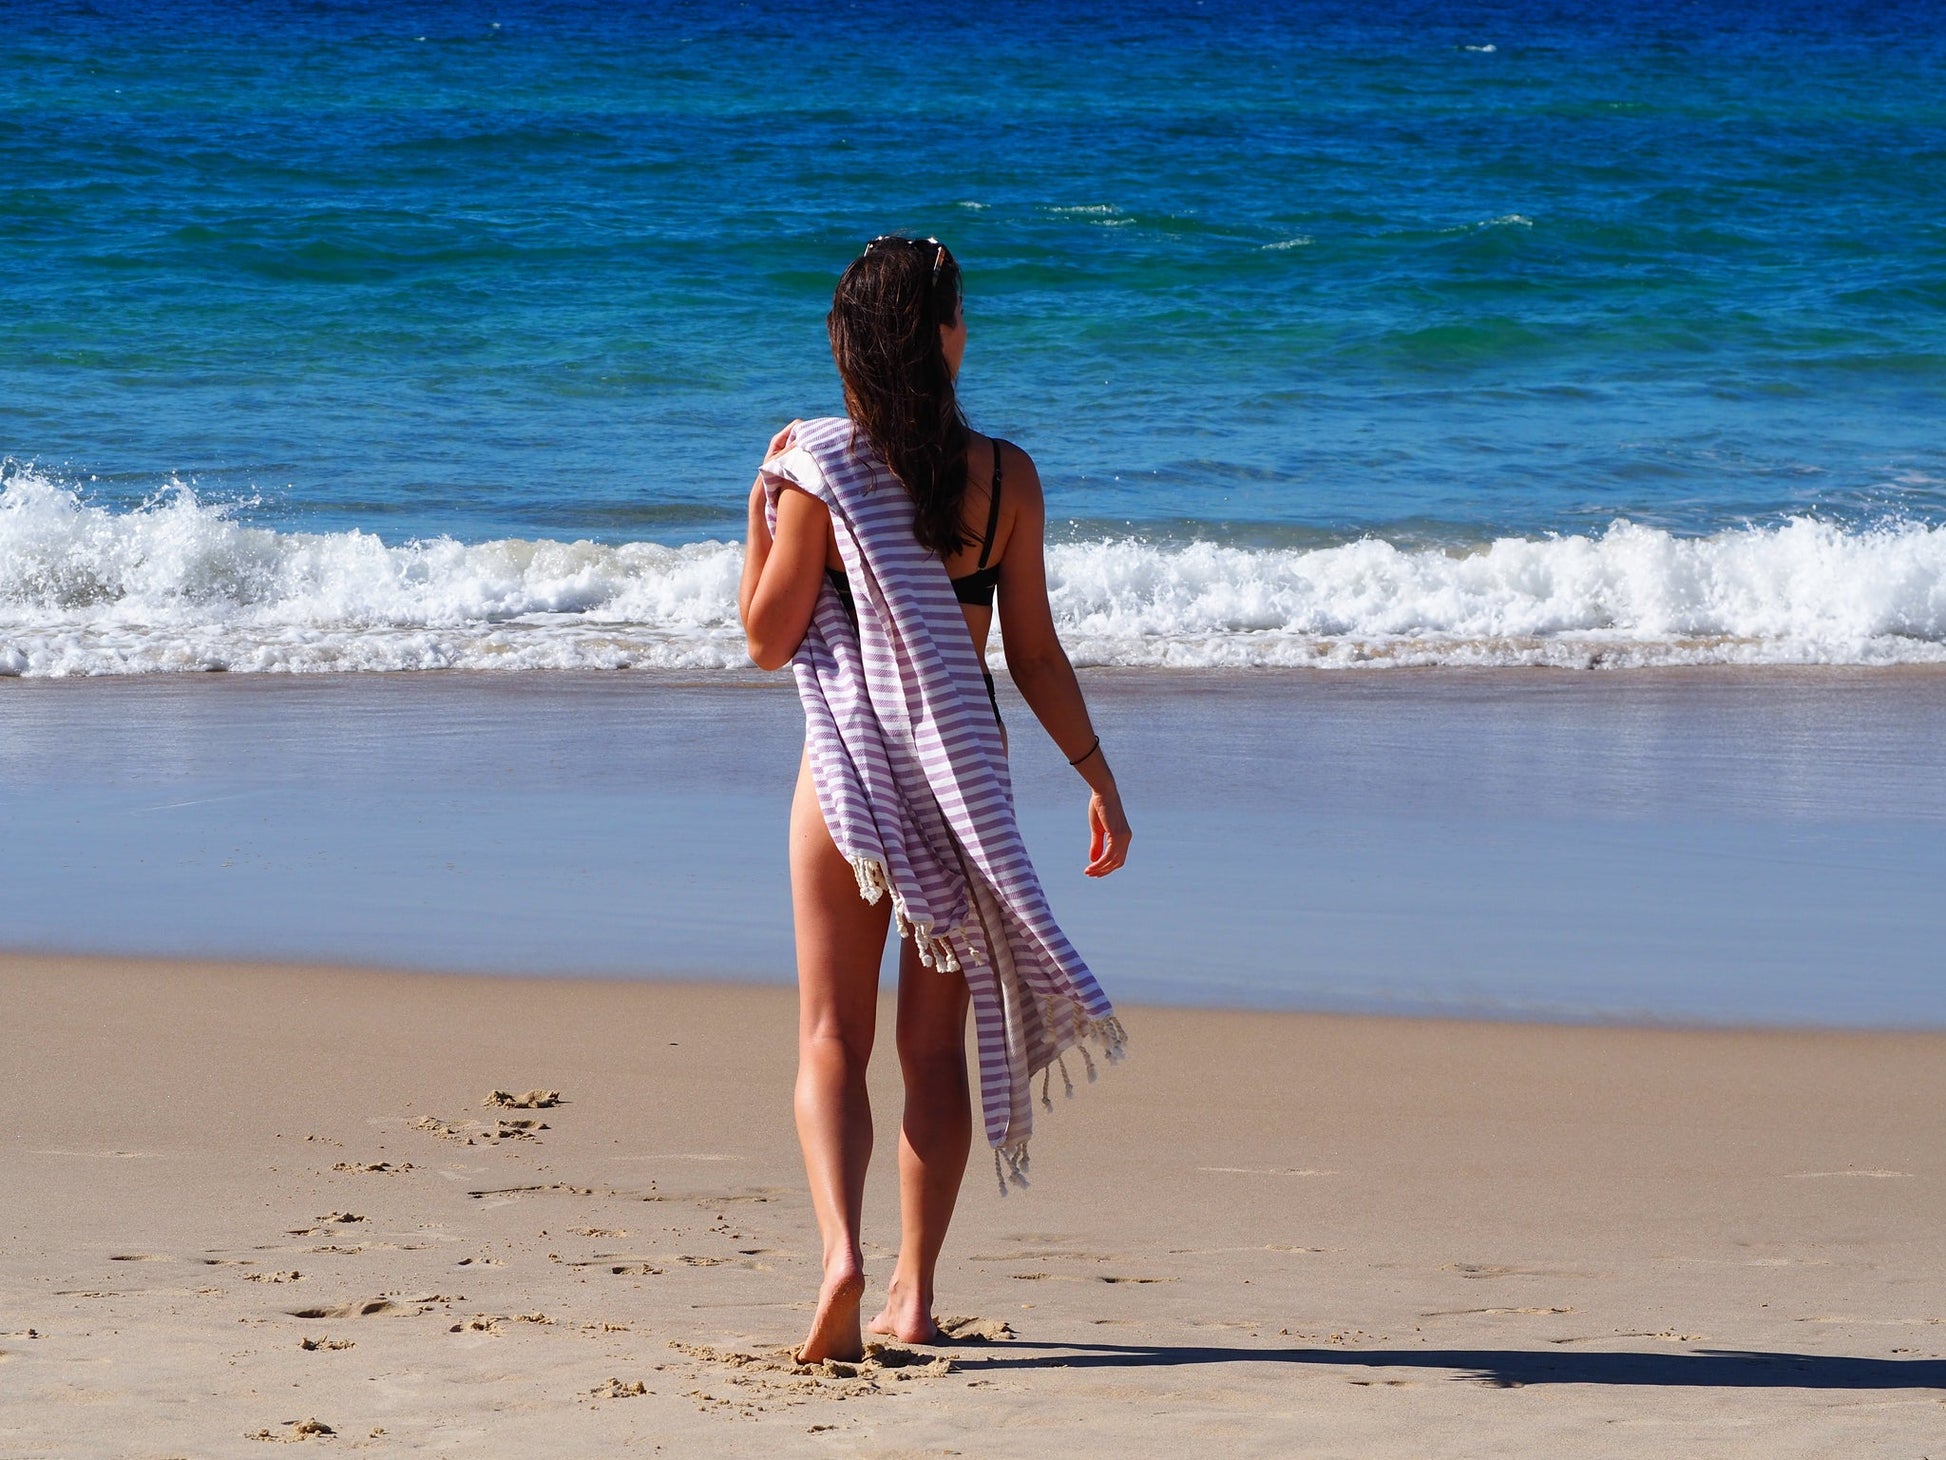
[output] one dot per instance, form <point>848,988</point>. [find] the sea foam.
<point>180,584</point>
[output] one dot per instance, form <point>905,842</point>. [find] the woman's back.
<point>988,514</point>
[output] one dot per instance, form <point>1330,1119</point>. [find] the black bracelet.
<point>1086,753</point>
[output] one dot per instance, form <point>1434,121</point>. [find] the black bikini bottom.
<point>994,695</point>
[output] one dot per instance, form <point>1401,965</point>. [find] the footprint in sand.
<point>471,1134</point>
<point>345,1310</point>
<point>532,1100</point>
<point>514,1130</point>
<point>408,1306</point>
<point>315,1345</point>
<point>620,1389</point>
<point>968,1329</point>
<point>293,1276</point>
<point>880,1359</point>
<point>497,1322</point>
<point>500,1196</point>
<point>699,1260</point>
<point>372,1168</point>
<point>615,1262</point>
<point>293,1430</point>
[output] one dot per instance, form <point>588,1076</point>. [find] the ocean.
<point>1470,344</point>
<point>341,337</point>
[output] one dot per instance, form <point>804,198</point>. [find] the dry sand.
<point>247,1206</point>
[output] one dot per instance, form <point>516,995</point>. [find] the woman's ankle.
<point>906,1290</point>
<point>844,1261</point>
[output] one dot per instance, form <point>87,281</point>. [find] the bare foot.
<point>834,1327</point>
<point>905,1317</point>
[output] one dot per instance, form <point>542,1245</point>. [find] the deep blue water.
<point>1258,273</point>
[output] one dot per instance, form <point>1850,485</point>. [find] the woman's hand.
<point>759,498</point>
<point>781,442</point>
<point>1108,832</point>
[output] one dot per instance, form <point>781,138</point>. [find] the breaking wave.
<point>179,584</point>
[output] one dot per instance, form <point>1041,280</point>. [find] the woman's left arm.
<point>782,573</point>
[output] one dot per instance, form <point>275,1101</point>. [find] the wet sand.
<point>240,1200</point>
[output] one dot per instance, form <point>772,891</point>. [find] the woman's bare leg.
<point>840,938</point>
<point>933,1139</point>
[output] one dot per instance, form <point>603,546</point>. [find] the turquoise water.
<point>1270,277</point>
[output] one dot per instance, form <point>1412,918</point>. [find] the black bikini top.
<point>976,587</point>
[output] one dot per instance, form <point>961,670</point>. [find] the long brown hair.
<point>884,323</point>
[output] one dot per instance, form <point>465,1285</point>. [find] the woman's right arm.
<point>1041,671</point>
<point>782,574</point>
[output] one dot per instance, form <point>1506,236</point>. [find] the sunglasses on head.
<point>938,258</point>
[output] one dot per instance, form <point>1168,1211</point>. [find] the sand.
<point>491,1216</point>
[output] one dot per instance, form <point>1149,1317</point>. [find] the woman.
<point>829,594</point>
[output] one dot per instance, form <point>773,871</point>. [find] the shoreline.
<point>251,1197</point>
<point>1762,847</point>
<point>750,677</point>
<point>701,983</point>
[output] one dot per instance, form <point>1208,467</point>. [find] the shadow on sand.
<point>1507,1368</point>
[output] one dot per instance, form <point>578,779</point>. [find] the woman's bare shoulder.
<point>1018,475</point>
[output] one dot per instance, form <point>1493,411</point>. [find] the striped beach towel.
<point>913,783</point>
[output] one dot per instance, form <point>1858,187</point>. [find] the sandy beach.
<point>253,1204</point>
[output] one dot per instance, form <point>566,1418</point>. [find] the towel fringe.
<point>874,881</point>
<point>935,950</point>
<point>1010,1161</point>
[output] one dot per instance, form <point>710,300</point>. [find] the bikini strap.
<point>993,506</point>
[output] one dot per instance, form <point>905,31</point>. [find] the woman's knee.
<point>928,1055</point>
<point>835,1040</point>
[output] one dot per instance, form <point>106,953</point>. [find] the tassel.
<point>1047,1079</point>
<point>1067,1084</point>
<point>997,1176</point>
<point>1087,1062</point>
<point>873,882</point>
